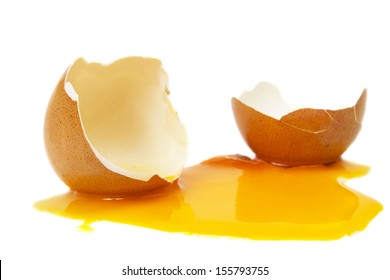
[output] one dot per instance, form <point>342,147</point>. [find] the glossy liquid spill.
<point>238,197</point>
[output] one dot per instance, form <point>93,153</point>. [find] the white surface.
<point>211,51</point>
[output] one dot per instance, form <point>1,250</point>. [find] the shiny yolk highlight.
<point>237,197</point>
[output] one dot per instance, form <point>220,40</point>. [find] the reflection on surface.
<point>238,197</point>
<point>308,195</point>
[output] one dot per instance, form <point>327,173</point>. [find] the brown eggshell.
<point>72,157</point>
<point>302,137</point>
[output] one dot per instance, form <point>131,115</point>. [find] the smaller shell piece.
<point>73,159</point>
<point>302,137</point>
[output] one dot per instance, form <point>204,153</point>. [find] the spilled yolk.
<point>238,197</point>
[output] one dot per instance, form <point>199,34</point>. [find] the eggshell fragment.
<point>110,129</point>
<point>302,137</point>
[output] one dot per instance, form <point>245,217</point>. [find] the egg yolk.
<point>238,197</point>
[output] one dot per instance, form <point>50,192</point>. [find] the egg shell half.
<point>302,137</point>
<point>73,159</point>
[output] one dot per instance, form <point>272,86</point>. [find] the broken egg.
<point>300,137</point>
<point>228,195</point>
<point>111,129</point>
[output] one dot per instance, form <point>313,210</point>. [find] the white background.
<point>320,52</point>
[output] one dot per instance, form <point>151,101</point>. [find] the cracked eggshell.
<point>111,130</point>
<point>301,137</point>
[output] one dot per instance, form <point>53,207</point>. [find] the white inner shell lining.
<point>127,117</point>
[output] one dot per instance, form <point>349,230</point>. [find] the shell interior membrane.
<point>127,117</point>
<point>266,98</point>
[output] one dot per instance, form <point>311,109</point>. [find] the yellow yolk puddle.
<point>237,197</point>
